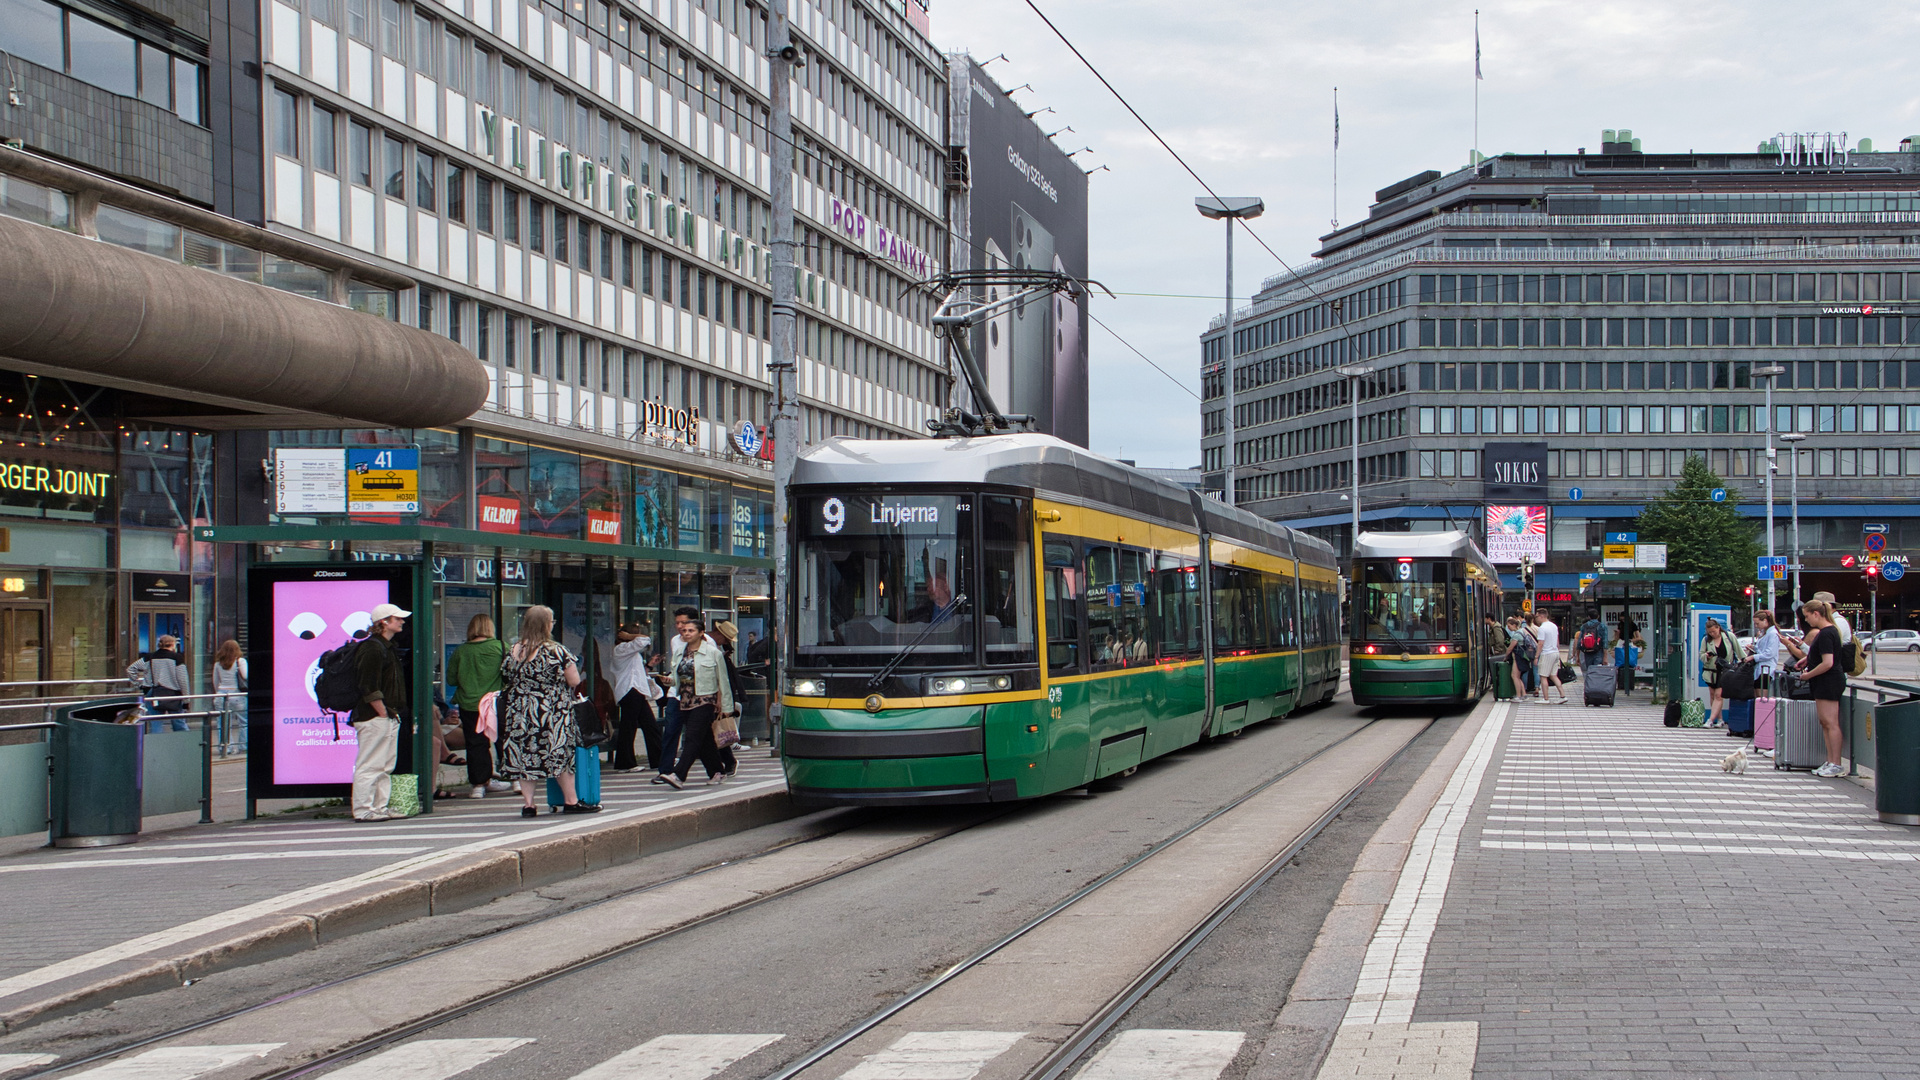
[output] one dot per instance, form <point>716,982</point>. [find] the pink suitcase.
<point>1764,710</point>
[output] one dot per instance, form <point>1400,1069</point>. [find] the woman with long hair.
<point>538,733</point>
<point>474,672</point>
<point>1717,653</point>
<point>230,695</point>
<point>705,694</point>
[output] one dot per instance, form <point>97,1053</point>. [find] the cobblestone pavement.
<point>174,877</point>
<point>1620,906</point>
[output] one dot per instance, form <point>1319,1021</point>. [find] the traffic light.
<point>1526,571</point>
<point>1749,592</point>
<point>1871,570</point>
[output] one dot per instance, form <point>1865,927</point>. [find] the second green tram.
<point>1001,617</point>
<point>1419,603</point>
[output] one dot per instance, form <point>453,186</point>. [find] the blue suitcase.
<point>586,778</point>
<point>1740,717</point>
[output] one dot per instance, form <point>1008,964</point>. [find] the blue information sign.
<point>1574,494</point>
<point>1673,590</point>
<point>1623,538</point>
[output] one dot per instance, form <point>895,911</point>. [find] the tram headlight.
<point>809,688</point>
<point>968,684</point>
<point>955,685</point>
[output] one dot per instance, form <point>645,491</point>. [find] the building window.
<point>324,156</point>
<point>395,167</point>
<point>286,124</point>
<point>360,148</point>
<point>424,165</point>
<point>456,193</point>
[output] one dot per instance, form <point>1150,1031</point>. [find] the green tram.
<point>994,618</point>
<point>1419,600</point>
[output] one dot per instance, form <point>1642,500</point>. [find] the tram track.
<point>1055,1064</point>
<point>1116,1008</point>
<point>438,952</point>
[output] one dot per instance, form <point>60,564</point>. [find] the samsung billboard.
<point>1027,211</point>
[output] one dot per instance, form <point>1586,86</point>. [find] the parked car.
<point>1895,641</point>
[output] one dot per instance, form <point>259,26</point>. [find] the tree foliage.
<point>1703,537</point>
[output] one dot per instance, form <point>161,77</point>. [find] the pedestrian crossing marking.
<point>428,1059</point>
<point>177,1062</point>
<point>935,1055</point>
<point>16,1062</point>
<point>1159,1054</point>
<point>679,1057</point>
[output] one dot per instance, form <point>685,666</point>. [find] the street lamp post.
<point>1770,373</point>
<point>1229,210</point>
<point>1353,373</point>
<point>1793,441</point>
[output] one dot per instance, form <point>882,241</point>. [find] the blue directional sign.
<point>1893,571</point>
<point>1718,494</point>
<point>1574,494</point>
<point>1623,538</point>
<point>1771,567</point>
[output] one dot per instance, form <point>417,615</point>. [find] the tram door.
<point>23,649</point>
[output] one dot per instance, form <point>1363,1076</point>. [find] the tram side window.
<point>1063,583</point>
<point>1239,621</point>
<point>1007,621</point>
<point>1116,606</point>
<point>1175,606</point>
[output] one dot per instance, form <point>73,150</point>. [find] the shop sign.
<point>603,526</point>
<point>1514,532</point>
<point>689,521</point>
<point>662,421</point>
<point>163,588</point>
<point>742,526</point>
<point>499,515</point>
<point>448,570</point>
<point>510,571</point>
<point>1515,472</point>
<point>310,481</point>
<point>746,439</point>
<point>383,480</point>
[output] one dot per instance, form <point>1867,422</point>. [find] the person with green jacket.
<point>474,672</point>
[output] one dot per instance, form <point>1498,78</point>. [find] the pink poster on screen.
<point>309,618</point>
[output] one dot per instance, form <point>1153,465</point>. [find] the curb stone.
<point>458,884</point>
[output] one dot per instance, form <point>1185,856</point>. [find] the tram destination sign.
<point>867,515</point>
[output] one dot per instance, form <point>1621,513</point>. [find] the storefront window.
<point>81,645</point>
<point>500,484</point>
<point>603,487</point>
<point>655,508</point>
<point>553,490</point>
<point>691,515</point>
<point>156,467</point>
<point>443,498</point>
<point>153,549</point>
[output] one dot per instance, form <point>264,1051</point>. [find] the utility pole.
<point>1353,373</point>
<point>783,332</point>
<point>1770,373</point>
<point>1793,441</point>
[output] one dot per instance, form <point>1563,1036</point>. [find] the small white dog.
<point>1735,762</point>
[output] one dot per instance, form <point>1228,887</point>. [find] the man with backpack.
<point>1590,641</point>
<point>382,685</point>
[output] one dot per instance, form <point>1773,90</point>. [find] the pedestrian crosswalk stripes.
<point>1138,1054</point>
<point>176,1062</point>
<point>935,1055</point>
<point>1158,1054</point>
<point>679,1057</point>
<point>427,1059</point>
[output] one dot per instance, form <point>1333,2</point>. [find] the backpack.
<point>1853,657</point>
<point>1672,716</point>
<point>1589,643</point>
<point>338,687</point>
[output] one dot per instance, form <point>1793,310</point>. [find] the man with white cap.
<point>376,720</point>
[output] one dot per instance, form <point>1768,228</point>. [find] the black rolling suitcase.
<point>1596,686</point>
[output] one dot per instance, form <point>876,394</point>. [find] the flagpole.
<point>1336,157</point>
<point>1476,83</point>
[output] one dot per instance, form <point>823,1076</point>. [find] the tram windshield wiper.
<point>939,616</point>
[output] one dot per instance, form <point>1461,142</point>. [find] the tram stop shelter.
<point>1659,604</point>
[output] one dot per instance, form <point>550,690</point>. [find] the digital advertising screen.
<point>298,614</point>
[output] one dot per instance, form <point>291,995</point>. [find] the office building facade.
<point>573,194</point>
<point>1610,310</point>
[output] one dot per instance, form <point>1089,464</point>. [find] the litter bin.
<point>1503,687</point>
<point>96,775</point>
<point>1896,762</point>
<point>753,710</point>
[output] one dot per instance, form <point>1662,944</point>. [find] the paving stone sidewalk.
<point>1622,907</point>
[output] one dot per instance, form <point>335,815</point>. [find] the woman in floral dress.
<point>538,733</point>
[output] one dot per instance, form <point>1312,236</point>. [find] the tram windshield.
<point>875,574</point>
<point>1408,601</point>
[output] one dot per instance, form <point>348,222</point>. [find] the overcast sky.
<point>1244,91</point>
